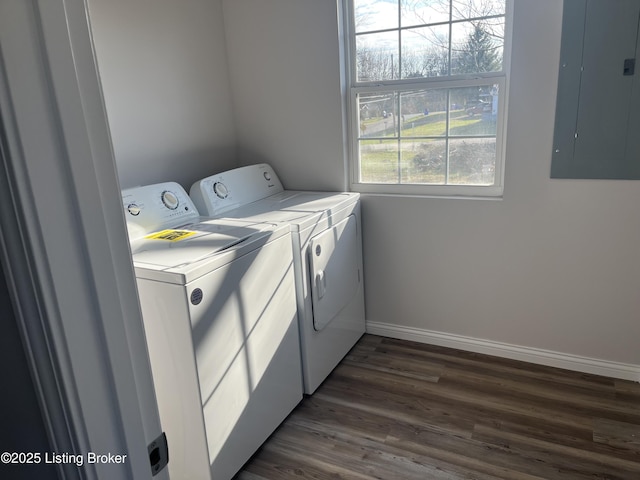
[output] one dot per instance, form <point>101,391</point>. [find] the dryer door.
<point>333,268</point>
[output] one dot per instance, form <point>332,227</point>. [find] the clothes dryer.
<point>327,256</point>
<point>217,299</point>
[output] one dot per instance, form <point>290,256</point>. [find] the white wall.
<point>554,265</point>
<point>163,67</point>
<point>286,88</point>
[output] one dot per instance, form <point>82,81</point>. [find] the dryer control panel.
<point>152,207</point>
<point>222,192</point>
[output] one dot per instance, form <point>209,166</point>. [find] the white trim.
<point>539,356</point>
<point>64,196</point>
<point>435,191</point>
<point>343,53</point>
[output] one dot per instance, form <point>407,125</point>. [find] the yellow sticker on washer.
<point>171,235</point>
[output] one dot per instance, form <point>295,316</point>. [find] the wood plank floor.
<point>401,410</point>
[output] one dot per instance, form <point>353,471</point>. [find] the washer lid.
<point>186,252</point>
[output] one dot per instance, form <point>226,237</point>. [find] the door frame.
<point>64,243</point>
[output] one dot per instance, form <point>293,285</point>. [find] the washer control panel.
<point>152,207</point>
<point>217,194</point>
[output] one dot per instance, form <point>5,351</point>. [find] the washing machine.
<point>217,300</point>
<point>327,255</point>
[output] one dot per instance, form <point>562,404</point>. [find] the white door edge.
<point>67,245</point>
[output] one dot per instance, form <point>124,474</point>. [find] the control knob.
<point>220,189</point>
<point>170,200</point>
<point>133,209</point>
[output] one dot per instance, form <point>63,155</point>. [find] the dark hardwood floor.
<point>401,410</point>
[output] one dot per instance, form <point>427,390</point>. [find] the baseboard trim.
<point>550,358</point>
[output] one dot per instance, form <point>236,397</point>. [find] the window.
<point>428,90</point>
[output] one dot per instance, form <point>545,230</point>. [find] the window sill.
<point>431,191</point>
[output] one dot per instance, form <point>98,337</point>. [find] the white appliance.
<point>217,299</point>
<point>327,256</point>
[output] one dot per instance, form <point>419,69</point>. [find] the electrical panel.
<point>598,106</point>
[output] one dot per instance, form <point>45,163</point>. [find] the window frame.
<point>355,87</point>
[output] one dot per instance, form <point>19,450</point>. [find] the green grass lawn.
<point>457,126</point>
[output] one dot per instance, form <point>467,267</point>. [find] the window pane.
<point>425,52</point>
<point>423,113</point>
<point>378,117</point>
<point>474,111</point>
<point>477,47</point>
<point>423,161</point>
<point>463,9</point>
<point>423,12</point>
<point>370,15</point>
<point>439,136</point>
<point>472,161</point>
<point>377,56</point>
<point>379,161</point>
